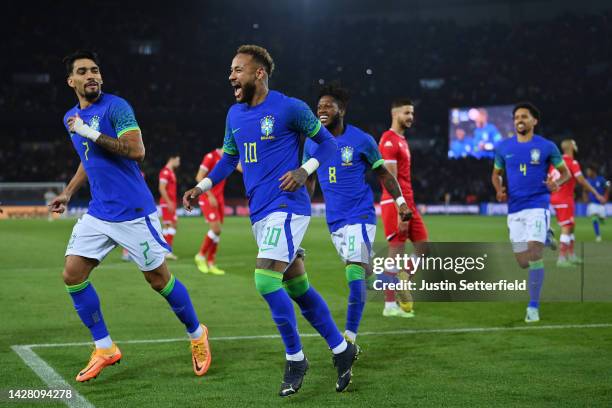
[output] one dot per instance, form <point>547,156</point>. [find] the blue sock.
<point>177,296</point>
<point>87,305</point>
<point>357,294</point>
<point>284,317</point>
<point>596,226</point>
<point>315,310</point>
<point>536,279</point>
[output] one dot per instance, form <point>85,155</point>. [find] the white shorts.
<point>279,235</point>
<point>354,242</point>
<point>596,209</point>
<point>142,237</point>
<point>528,225</point>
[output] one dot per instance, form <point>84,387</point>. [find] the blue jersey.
<point>267,138</point>
<point>118,190</point>
<point>526,166</point>
<point>600,184</point>
<point>348,197</point>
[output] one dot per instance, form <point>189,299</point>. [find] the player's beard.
<point>248,92</point>
<point>91,96</point>
<point>331,125</point>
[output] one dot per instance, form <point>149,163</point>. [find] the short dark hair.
<point>340,94</point>
<point>401,102</point>
<point>259,54</point>
<point>69,59</point>
<point>535,112</point>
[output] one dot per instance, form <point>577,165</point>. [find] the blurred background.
<point>454,59</point>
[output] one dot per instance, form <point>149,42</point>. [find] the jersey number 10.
<point>250,152</point>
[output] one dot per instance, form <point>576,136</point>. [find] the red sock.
<point>390,294</point>
<point>169,238</point>
<point>212,252</point>
<point>571,248</point>
<point>205,245</point>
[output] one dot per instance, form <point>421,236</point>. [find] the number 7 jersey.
<point>526,165</point>
<point>267,139</point>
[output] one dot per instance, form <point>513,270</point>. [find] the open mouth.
<point>91,84</point>
<point>323,119</point>
<point>237,91</point>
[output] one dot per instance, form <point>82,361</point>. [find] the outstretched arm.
<point>60,202</point>
<point>588,187</point>
<point>221,171</point>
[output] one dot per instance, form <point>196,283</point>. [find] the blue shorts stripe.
<point>366,239</point>
<point>289,237</point>
<point>156,235</point>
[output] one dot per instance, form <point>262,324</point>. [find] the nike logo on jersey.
<point>235,130</point>
<point>508,156</point>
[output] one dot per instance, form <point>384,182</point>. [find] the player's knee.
<point>72,276</point>
<point>216,229</point>
<point>156,280</point>
<point>267,281</point>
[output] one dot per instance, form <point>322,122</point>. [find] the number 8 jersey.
<point>526,166</point>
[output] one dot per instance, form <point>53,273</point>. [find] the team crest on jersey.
<point>535,156</point>
<point>347,155</point>
<point>94,122</point>
<point>267,127</point>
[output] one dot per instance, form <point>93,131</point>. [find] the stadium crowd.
<point>176,80</point>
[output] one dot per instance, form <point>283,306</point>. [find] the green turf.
<point>570,367</point>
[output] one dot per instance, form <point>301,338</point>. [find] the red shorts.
<point>211,213</point>
<point>564,213</point>
<point>168,216</point>
<point>416,227</point>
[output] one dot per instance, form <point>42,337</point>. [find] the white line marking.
<point>382,333</point>
<point>50,376</point>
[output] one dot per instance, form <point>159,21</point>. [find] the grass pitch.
<point>427,365</point>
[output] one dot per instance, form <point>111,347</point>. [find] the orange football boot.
<point>100,358</point>
<point>200,351</point>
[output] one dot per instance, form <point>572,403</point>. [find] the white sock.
<point>299,356</point>
<point>390,305</point>
<point>352,336</point>
<point>340,347</point>
<point>197,333</point>
<point>104,343</point>
<point>200,257</point>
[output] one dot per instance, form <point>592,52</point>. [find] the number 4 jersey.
<point>526,166</point>
<point>118,190</point>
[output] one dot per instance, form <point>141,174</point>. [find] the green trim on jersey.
<point>127,130</point>
<point>378,163</point>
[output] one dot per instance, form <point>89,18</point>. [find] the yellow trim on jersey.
<point>127,130</point>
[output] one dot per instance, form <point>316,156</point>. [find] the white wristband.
<point>400,200</point>
<point>205,184</point>
<point>90,133</point>
<point>311,165</point>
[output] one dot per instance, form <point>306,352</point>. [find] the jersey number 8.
<point>332,174</point>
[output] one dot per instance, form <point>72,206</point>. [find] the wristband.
<point>311,165</point>
<point>399,201</point>
<point>84,130</point>
<point>205,184</point>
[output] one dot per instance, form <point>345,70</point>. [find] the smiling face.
<point>86,79</point>
<point>524,122</point>
<point>403,116</point>
<point>329,111</point>
<point>245,72</point>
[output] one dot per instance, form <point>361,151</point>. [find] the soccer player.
<point>562,201</point>
<point>596,209</point>
<point>263,132</point>
<point>212,205</point>
<point>167,200</point>
<point>394,149</point>
<point>524,159</point>
<point>107,138</point>
<point>349,202</point>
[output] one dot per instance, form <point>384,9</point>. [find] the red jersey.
<point>566,191</point>
<point>394,149</point>
<point>167,176</point>
<point>209,161</point>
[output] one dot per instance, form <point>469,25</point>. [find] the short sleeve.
<point>389,150</point>
<point>122,117</point>
<point>229,142</point>
<point>302,119</point>
<point>500,162</point>
<point>208,162</point>
<point>371,153</point>
<point>555,156</point>
<point>576,170</point>
<point>163,176</point>
<point>307,154</point>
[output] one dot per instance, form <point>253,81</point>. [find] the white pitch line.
<point>381,333</point>
<point>51,377</point>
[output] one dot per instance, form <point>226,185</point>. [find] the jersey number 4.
<point>250,152</point>
<point>523,169</point>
